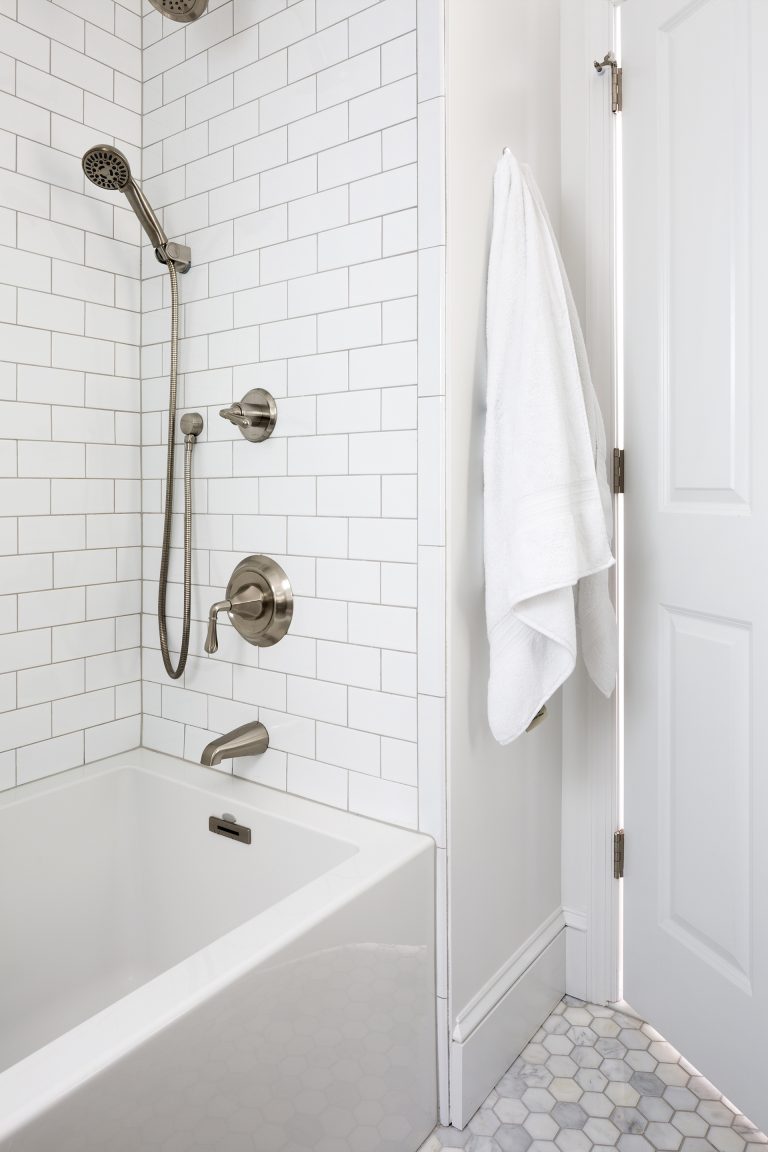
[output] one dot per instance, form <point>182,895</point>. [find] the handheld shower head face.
<point>107,168</point>
<point>181,10</point>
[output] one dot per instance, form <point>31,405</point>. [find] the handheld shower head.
<point>181,10</point>
<point>106,167</point>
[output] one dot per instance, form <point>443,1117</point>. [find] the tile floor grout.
<point>596,1078</point>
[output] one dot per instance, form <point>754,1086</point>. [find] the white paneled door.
<point>695,128</point>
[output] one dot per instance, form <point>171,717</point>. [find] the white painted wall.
<point>590,779</point>
<point>504,803</point>
<point>70,493</point>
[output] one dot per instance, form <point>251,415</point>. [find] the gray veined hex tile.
<point>513,1138</point>
<point>591,1079</point>
<point>663,1136</point>
<point>539,1100</point>
<point>573,1140</point>
<point>481,1144</point>
<point>449,1138</point>
<point>681,1099</point>
<point>601,1130</point>
<point>726,1139</point>
<point>748,1130</point>
<point>604,1026</point>
<point>629,1120</point>
<point>702,1088</point>
<point>601,1010</point>
<point>662,1051</point>
<point>641,1060</point>
<point>672,1074</point>
<point>541,1126</point>
<point>596,1104</point>
<point>586,1057</point>
<point>580,1015</point>
<point>617,1070</point>
<point>562,1066</point>
<point>569,1115</point>
<point>579,1034</point>
<point>647,1084</point>
<point>484,1122</point>
<point>634,1144</point>
<point>633,1038</point>
<point>625,1020</point>
<point>536,1075</point>
<point>621,1087</point>
<point>557,1025</point>
<point>565,1089</point>
<point>655,1108</point>
<point>715,1112</point>
<point>622,1094</point>
<point>510,1111</point>
<point>690,1123</point>
<point>512,1086</point>
<point>611,1048</point>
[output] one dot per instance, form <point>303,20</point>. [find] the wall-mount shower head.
<point>181,10</point>
<point>107,168</point>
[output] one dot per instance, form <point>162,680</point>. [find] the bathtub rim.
<point>36,1082</point>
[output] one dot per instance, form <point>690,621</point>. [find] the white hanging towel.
<point>548,516</point>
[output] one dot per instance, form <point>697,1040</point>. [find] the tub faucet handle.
<point>212,639</point>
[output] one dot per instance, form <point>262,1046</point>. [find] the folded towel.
<point>548,516</point>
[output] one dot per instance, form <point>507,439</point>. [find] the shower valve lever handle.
<point>212,639</point>
<point>245,607</point>
<point>235,416</point>
<point>255,415</point>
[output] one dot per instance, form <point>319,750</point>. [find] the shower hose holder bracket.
<point>179,254</point>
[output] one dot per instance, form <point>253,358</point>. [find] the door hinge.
<point>618,470</point>
<point>617,80</point>
<point>618,854</point>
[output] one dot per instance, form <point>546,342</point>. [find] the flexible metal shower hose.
<point>175,673</point>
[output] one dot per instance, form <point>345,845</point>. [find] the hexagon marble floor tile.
<point>596,1078</point>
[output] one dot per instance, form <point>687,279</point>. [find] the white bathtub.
<point>163,987</point>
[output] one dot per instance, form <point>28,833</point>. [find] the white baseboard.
<point>491,1032</point>
<point>575,954</point>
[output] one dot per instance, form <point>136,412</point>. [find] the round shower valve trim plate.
<point>259,603</point>
<point>255,416</point>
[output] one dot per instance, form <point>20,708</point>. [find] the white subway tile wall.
<point>70,427</point>
<point>297,147</point>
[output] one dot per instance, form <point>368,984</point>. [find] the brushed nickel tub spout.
<point>247,740</point>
